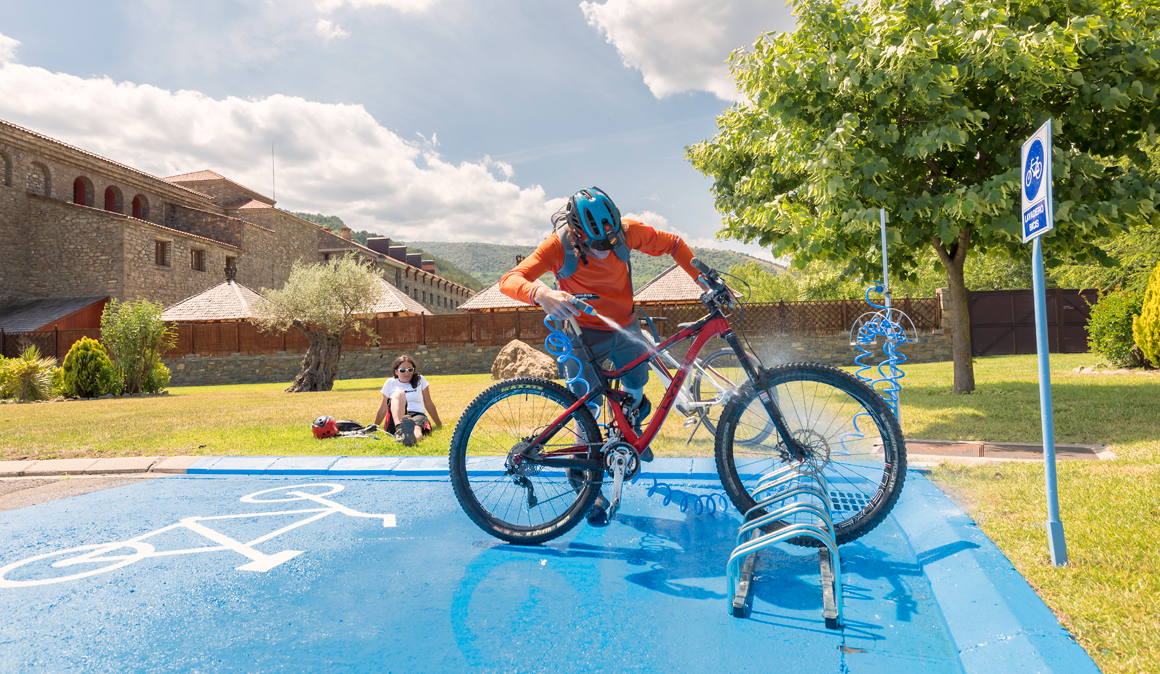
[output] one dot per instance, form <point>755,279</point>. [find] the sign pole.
<point>1038,219</point>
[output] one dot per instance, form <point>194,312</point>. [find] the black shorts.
<point>419,418</point>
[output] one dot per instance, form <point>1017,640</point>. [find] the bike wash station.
<point>793,501</point>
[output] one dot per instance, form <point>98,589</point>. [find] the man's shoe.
<point>642,410</point>
<point>646,455</point>
<point>399,437</point>
<point>407,428</point>
<point>598,514</point>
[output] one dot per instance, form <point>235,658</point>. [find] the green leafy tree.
<point>322,301</point>
<point>1146,326</point>
<point>134,336</point>
<point>28,376</point>
<point>920,107</point>
<point>87,372</point>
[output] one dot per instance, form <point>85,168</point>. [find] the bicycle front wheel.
<point>854,442</point>
<point>505,494</point>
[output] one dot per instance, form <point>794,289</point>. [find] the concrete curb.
<point>996,619</point>
<point>111,466</point>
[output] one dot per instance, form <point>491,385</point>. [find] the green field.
<point>1110,509</point>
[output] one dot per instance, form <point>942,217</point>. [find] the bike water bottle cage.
<point>594,219</point>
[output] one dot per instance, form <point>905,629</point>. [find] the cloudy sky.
<point>460,120</point>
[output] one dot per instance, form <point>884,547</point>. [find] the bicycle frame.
<point>704,330</point>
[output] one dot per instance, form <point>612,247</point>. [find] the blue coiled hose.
<point>559,345</point>
<point>886,323</point>
<point>685,500</point>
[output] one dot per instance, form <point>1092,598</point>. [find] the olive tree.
<point>322,301</point>
<point>920,107</point>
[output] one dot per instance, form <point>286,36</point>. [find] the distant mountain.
<point>443,268</point>
<point>489,261</point>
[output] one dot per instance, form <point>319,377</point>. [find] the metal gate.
<point>1003,321</point>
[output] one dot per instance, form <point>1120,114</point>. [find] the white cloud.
<point>329,30</point>
<point>332,159</point>
<point>8,48</point>
<point>682,45</point>
<point>405,6</point>
<point>658,221</point>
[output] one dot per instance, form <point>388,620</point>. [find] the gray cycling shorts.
<point>619,346</point>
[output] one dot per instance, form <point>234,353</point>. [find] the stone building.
<point>74,224</point>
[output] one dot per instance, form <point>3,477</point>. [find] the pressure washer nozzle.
<point>584,306</point>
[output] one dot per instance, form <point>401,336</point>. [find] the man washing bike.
<point>589,254</point>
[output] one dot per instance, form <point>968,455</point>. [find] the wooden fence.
<point>480,329</point>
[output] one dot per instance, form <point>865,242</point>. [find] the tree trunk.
<point>320,365</point>
<point>954,260</point>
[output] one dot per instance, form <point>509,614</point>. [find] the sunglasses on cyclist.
<point>405,369</point>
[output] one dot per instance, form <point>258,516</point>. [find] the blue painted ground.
<point>345,591</point>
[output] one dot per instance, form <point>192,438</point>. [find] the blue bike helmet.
<point>594,219</point>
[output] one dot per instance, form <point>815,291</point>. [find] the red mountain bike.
<point>527,458</point>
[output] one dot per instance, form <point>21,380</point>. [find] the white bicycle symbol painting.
<point>102,554</point>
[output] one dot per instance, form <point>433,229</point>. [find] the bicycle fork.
<point>796,449</point>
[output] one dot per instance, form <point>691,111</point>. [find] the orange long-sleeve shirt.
<point>607,278</point>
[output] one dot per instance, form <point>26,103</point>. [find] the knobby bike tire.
<point>491,492</point>
<point>857,442</point>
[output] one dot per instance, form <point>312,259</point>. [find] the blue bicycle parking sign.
<point>1037,210</point>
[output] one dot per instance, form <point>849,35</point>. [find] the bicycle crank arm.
<point>619,463</point>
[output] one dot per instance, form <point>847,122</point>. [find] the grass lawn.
<point>1110,510</point>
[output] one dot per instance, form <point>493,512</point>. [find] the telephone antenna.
<point>273,183</point>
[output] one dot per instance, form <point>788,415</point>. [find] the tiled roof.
<point>671,285</point>
<point>28,316</point>
<point>394,301</point>
<point>227,301</point>
<point>491,298</point>
<point>245,204</point>
<point>195,176</point>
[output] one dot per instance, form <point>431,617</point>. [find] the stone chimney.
<point>429,265</point>
<point>415,260</point>
<point>344,233</point>
<point>231,273</point>
<point>380,244</point>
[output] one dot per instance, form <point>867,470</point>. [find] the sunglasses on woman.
<point>405,369</point>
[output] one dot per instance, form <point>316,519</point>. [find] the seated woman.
<point>406,403</point>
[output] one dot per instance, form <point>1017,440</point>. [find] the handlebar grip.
<point>700,266</point>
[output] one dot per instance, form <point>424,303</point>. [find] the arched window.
<point>113,199</point>
<point>140,207</point>
<point>83,191</point>
<point>38,180</point>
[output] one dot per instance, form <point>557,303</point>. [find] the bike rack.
<point>787,486</point>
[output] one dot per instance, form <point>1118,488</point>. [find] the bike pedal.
<point>690,422</point>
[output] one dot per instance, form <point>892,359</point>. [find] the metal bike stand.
<point>787,486</point>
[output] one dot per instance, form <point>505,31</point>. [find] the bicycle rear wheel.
<point>855,444</point>
<point>506,495</point>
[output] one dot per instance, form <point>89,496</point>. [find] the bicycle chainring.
<point>632,465</point>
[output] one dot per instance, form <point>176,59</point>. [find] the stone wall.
<point>13,204</point>
<point>144,278</point>
<point>71,251</point>
<point>373,363</point>
<point>203,223</point>
<point>470,359</point>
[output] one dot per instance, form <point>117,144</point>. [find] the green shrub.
<point>28,377</point>
<point>1110,327</point>
<point>135,336</point>
<point>1146,327</point>
<point>88,372</point>
<point>157,380</point>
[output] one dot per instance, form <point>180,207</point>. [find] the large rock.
<point>517,359</point>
